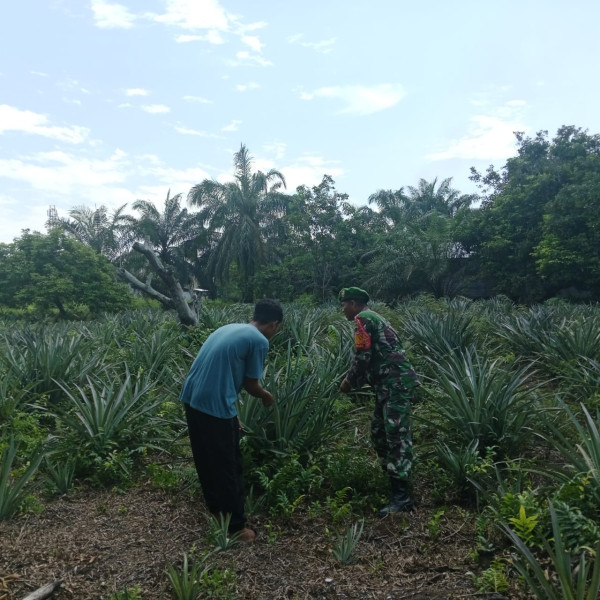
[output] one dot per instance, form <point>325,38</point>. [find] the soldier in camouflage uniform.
<point>381,362</point>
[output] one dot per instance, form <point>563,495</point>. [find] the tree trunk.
<point>175,300</point>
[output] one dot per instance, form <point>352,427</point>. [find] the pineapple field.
<point>99,496</point>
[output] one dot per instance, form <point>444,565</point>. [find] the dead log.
<point>45,591</point>
<point>175,300</point>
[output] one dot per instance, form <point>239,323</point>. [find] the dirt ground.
<point>101,542</point>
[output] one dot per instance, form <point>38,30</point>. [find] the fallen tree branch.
<point>45,591</point>
<point>175,300</point>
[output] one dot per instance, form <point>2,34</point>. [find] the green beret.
<point>353,293</point>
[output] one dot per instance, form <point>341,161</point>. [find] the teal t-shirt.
<point>227,357</point>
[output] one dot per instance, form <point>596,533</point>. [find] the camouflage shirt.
<point>379,357</point>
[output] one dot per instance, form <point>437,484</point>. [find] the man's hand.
<point>345,386</point>
<point>267,399</point>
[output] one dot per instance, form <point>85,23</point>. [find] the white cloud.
<point>187,131</point>
<point>25,121</point>
<point>276,148</point>
<point>16,217</point>
<point>233,126</point>
<point>360,99</point>
<point>63,173</point>
<point>136,92</point>
<point>324,46</point>
<point>195,14</point>
<point>112,16</point>
<point>244,58</point>
<point>244,87</point>
<point>67,180</point>
<point>309,170</point>
<point>154,109</point>
<point>178,180</point>
<point>489,136</point>
<point>198,99</point>
<point>212,37</point>
<point>253,42</point>
<point>243,28</point>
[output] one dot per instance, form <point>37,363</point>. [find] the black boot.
<point>400,500</point>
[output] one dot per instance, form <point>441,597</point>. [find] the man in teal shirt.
<point>231,359</point>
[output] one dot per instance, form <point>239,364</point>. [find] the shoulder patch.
<point>362,338</point>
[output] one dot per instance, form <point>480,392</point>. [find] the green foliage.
<point>133,593</point>
<point>524,525</point>
<point>492,579</point>
<point>58,274</point>
<point>219,584</point>
<point>438,336</point>
<point>480,400</point>
<point>186,583</point>
<point>344,548</point>
<point>108,423</point>
<point>60,474</point>
<point>164,477</point>
<point>339,506</point>
<point>237,211</point>
<point>351,463</point>
<point>459,464</point>
<point>581,450</point>
<point>300,419</point>
<point>580,532</point>
<point>569,580</point>
<point>38,358</point>
<point>524,513</point>
<point>219,535</point>
<point>14,486</point>
<point>434,524</point>
<point>12,396</point>
<point>288,486</point>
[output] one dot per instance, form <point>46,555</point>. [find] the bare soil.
<point>100,542</point>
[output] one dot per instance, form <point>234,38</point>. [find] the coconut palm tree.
<point>236,214</point>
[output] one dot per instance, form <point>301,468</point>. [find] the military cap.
<point>353,293</point>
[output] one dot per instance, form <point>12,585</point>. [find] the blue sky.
<point>104,103</point>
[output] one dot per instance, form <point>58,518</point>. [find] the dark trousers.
<point>216,449</point>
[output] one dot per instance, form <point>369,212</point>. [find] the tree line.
<point>531,233</point>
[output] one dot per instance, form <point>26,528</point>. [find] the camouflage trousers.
<point>391,431</point>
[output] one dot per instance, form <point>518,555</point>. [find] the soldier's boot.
<point>400,500</point>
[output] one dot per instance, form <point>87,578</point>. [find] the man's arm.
<point>253,387</point>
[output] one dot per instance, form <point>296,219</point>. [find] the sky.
<point>105,103</point>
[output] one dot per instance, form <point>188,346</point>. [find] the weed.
<point>434,524</point>
<point>492,579</point>
<point>344,548</point>
<point>133,593</point>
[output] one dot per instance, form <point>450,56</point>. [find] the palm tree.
<point>420,247</point>
<point>236,214</point>
<point>173,233</point>
<point>106,234</point>
<point>169,231</point>
<point>425,199</point>
<point>392,205</point>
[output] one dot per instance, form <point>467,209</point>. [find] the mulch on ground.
<point>100,542</point>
